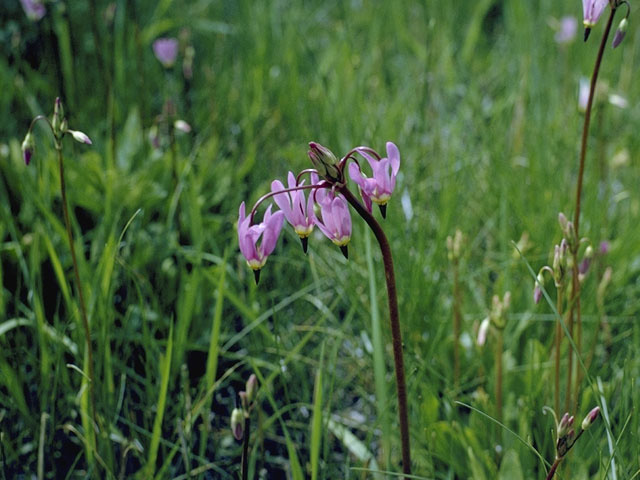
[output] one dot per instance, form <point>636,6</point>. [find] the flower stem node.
<point>325,162</point>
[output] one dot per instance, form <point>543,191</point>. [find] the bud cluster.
<point>454,246</point>
<point>565,434</point>
<point>59,127</point>
<point>247,402</point>
<point>562,260</point>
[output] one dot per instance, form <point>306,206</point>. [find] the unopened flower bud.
<point>27,147</point>
<point>537,290</point>
<point>58,115</point>
<point>251,387</point>
<point>79,136</point>
<point>537,294</point>
<point>562,220</point>
<point>182,126</point>
<point>590,418</point>
<point>237,423</point>
<point>324,161</point>
<point>566,422</point>
<point>483,331</point>
<point>620,32</point>
<point>506,301</point>
<point>243,400</point>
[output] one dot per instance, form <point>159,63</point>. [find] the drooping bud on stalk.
<point>80,137</point>
<point>251,388</point>
<point>237,423</point>
<point>590,418</point>
<point>182,126</point>
<point>537,291</point>
<point>58,115</point>
<point>27,147</point>
<point>483,331</point>
<point>324,161</point>
<point>620,32</point>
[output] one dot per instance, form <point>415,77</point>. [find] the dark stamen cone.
<point>256,275</point>
<point>345,251</point>
<point>587,31</point>
<point>383,210</point>
<point>305,243</point>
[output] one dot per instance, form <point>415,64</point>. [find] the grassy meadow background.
<point>482,103</point>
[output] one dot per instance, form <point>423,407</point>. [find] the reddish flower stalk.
<point>574,311</point>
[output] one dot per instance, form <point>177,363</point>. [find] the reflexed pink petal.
<point>271,233</point>
<point>393,154</point>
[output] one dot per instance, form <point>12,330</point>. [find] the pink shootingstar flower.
<point>248,236</point>
<point>335,220</point>
<point>34,9</point>
<point>166,51</point>
<point>297,212</point>
<point>380,187</point>
<point>592,10</point>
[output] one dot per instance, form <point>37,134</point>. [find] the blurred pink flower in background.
<point>166,51</point>
<point>34,9</point>
<point>566,31</point>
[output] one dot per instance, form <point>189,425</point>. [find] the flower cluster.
<point>326,205</point>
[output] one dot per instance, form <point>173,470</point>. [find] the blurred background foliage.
<point>483,104</point>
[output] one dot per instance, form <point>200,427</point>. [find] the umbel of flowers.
<point>327,192</point>
<point>324,202</point>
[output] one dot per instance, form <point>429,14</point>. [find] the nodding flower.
<point>248,235</point>
<point>297,211</point>
<point>379,187</point>
<point>335,219</point>
<point>592,10</point>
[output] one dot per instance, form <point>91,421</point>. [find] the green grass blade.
<point>294,462</point>
<point>379,370</point>
<point>316,419</point>
<point>214,347</point>
<point>165,370</point>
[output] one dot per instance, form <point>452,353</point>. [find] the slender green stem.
<point>457,321</point>
<point>498,366</point>
<point>587,120</point>
<point>575,291</point>
<point>245,448</point>
<point>394,320</point>
<point>83,309</point>
<point>558,345</point>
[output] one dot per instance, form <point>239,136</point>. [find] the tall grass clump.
<point>192,108</point>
